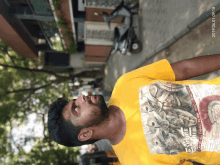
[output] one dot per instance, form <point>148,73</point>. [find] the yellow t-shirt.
<point>167,121</point>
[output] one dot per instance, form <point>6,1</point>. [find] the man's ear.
<point>85,134</point>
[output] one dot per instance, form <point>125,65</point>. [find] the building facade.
<point>30,28</point>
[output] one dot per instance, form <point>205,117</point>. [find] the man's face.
<point>86,111</point>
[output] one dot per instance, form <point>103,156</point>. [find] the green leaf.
<point>16,105</point>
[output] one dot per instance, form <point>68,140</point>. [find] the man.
<point>153,117</point>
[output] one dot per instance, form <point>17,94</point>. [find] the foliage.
<point>62,24</point>
<point>26,89</point>
<point>42,154</point>
<point>56,4</point>
<point>57,44</point>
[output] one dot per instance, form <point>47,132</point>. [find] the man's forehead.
<point>66,111</point>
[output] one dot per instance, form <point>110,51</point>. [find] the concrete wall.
<point>77,60</point>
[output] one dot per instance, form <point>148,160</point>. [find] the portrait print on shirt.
<point>180,118</point>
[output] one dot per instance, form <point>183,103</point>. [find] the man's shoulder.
<point>123,79</point>
<point>120,86</point>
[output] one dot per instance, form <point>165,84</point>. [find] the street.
<point>174,30</point>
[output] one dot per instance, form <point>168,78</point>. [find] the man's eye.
<point>74,106</point>
<point>74,110</point>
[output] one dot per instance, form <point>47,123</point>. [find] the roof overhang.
<point>15,34</point>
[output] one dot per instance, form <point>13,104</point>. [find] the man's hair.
<point>62,131</point>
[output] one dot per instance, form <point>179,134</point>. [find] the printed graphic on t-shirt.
<point>180,118</point>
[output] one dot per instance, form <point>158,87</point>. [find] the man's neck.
<point>117,125</point>
<point>114,128</point>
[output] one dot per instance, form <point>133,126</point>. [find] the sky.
<point>25,130</point>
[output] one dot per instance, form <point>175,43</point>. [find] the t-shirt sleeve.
<point>160,70</point>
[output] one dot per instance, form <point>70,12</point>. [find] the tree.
<point>42,153</point>
<point>26,89</point>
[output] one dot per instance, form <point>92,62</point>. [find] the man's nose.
<point>81,98</point>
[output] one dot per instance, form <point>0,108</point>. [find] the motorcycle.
<point>125,37</point>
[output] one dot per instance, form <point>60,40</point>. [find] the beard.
<point>100,114</point>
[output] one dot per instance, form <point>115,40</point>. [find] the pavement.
<point>171,29</point>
